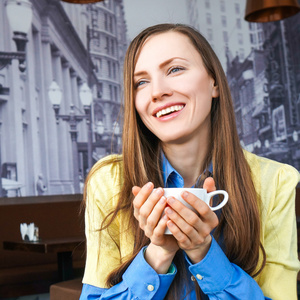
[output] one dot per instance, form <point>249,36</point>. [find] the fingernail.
<point>149,185</point>
<point>170,224</point>
<point>158,191</point>
<point>169,210</point>
<point>162,200</point>
<point>171,200</point>
<point>165,217</point>
<point>185,194</point>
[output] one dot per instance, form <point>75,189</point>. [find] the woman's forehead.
<point>162,46</point>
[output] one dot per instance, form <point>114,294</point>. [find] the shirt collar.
<point>171,177</point>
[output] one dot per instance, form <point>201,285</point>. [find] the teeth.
<point>169,110</point>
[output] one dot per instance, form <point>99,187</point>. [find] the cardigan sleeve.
<point>103,254</point>
<point>278,279</point>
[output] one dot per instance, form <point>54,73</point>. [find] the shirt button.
<point>199,276</point>
<point>150,288</point>
<point>193,278</point>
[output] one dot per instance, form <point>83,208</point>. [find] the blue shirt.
<point>217,277</point>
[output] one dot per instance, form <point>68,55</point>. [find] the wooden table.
<point>63,247</point>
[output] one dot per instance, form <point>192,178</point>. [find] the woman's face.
<point>173,91</point>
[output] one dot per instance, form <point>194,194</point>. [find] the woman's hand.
<point>192,231</point>
<point>149,206</point>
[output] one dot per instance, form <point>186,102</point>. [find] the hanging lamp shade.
<point>81,1</point>
<point>270,10</point>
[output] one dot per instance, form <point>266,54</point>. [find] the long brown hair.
<point>240,221</point>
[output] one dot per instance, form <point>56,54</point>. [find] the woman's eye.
<point>139,83</point>
<point>175,69</point>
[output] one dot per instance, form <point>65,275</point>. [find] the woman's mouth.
<point>169,110</point>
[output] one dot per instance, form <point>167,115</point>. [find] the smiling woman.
<point>173,75</point>
<point>178,113</point>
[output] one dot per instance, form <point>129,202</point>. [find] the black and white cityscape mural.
<point>60,103</point>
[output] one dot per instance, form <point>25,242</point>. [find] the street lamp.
<point>86,97</point>
<point>19,14</point>
<point>100,128</point>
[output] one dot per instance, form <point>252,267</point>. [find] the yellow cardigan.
<point>275,185</point>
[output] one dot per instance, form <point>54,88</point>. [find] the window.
<point>105,22</point>
<point>109,68</point>
<point>252,38</point>
<point>209,34</point>
<point>107,45</point>
<point>112,47</point>
<point>224,21</point>
<point>208,19</point>
<point>95,18</point>
<point>222,5</point>
<point>225,36</point>
<point>237,8</point>
<point>242,54</point>
<point>114,70</point>
<point>260,36</point>
<point>116,93</point>
<point>251,26</point>
<point>111,92</point>
<point>240,39</point>
<point>99,89</point>
<point>238,23</point>
<point>207,4</point>
<point>98,64</point>
<point>96,39</point>
<point>110,24</point>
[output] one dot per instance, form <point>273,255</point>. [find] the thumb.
<point>135,190</point>
<point>209,184</point>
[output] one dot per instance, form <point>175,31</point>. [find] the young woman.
<point>179,131</point>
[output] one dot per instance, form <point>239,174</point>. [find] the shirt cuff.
<point>213,273</point>
<point>144,282</point>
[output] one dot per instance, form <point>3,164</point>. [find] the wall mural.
<point>60,98</point>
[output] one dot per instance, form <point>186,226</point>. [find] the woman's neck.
<point>187,158</point>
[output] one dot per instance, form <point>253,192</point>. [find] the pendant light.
<point>270,10</point>
<point>81,1</point>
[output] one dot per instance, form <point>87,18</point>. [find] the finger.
<point>160,229</point>
<point>188,232</point>
<point>142,195</point>
<point>209,184</point>
<point>148,214</point>
<point>204,211</point>
<point>182,239</point>
<point>187,223</point>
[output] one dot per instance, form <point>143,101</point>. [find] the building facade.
<point>32,144</point>
<point>268,112</point>
<point>106,40</point>
<point>222,23</point>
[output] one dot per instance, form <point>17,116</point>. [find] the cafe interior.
<point>45,259</point>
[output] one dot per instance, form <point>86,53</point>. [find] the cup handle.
<point>218,192</point>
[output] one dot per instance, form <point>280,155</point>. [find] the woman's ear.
<point>215,91</point>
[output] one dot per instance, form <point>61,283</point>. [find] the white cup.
<point>200,193</point>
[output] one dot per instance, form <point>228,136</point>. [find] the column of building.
<point>48,114</point>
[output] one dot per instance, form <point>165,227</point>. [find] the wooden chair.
<point>66,290</point>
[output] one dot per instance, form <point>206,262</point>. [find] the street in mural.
<point>50,137</point>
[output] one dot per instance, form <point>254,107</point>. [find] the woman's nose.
<point>160,89</point>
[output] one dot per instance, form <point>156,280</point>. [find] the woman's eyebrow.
<point>163,64</point>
